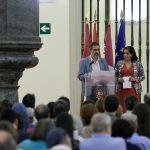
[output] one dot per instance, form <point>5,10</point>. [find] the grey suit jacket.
<point>85,66</point>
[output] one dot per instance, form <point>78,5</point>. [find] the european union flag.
<point>120,43</point>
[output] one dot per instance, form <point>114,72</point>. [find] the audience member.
<point>142,141</point>
<point>23,123</point>
<point>38,137</point>
<point>66,101</point>
<point>29,100</point>
<point>6,141</point>
<point>130,102</point>
<point>65,121</point>
<point>143,114</point>
<point>8,127</point>
<point>58,136</point>
<point>87,111</point>
<point>60,106</point>
<point>51,107</point>
<point>4,105</point>
<point>101,138</point>
<point>122,128</point>
<point>111,104</point>
<point>146,97</point>
<point>11,116</point>
<point>41,112</point>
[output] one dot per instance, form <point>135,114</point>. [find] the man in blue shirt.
<point>101,138</point>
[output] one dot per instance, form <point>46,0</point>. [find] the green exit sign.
<point>45,28</point>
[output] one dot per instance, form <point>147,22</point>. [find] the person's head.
<point>22,115</point>
<point>111,103</point>
<point>8,127</point>
<point>130,102</point>
<point>66,100</point>
<point>129,54</point>
<point>11,116</point>
<point>147,99</point>
<point>101,123</point>
<point>41,129</point>
<point>29,100</point>
<point>132,119</point>
<point>41,111</point>
<point>143,114</point>
<point>87,111</point>
<point>6,141</point>
<point>122,128</point>
<point>95,50</point>
<point>58,136</point>
<point>60,106</point>
<point>4,105</point>
<point>51,107</point>
<point>65,121</point>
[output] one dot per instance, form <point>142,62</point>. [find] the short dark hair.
<point>111,103</point>
<point>130,102</point>
<point>66,100</point>
<point>29,100</point>
<point>51,107</point>
<point>9,115</point>
<point>93,44</point>
<point>122,128</point>
<point>60,106</point>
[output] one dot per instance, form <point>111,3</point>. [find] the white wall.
<point>50,78</point>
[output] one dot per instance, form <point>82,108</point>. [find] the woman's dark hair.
<point>41,129</point>
<point>132,52</point>
<point>142,111</point>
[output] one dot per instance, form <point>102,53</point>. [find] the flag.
<point>86,51</point>
<point>120,43</point>
<point>108,48</point>
<point>95,35</point>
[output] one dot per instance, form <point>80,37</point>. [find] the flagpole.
<point>90,20</point>
<point>140,38</point>
<point>147,45</point>
<point>98,18</point>
<point>107,6</point>
<point>132,32</point>
<point>116,22</point>
<point>124,20</point>
<point>82,32</point>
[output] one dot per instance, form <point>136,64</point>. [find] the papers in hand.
<point>126,84</point>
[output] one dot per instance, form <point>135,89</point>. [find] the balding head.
<point>41,112</point>
<point>101,123</point>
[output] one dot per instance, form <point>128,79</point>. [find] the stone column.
<point>19,38</point>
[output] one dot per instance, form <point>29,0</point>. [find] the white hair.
<point>100,122</point>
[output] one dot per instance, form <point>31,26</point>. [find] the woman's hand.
<point>121,80</point>
<point>132,79</point>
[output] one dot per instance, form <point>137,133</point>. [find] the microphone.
<point>91,62</point>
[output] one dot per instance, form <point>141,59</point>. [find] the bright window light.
<point>128,9</point>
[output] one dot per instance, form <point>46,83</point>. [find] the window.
<point>128,9</point>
